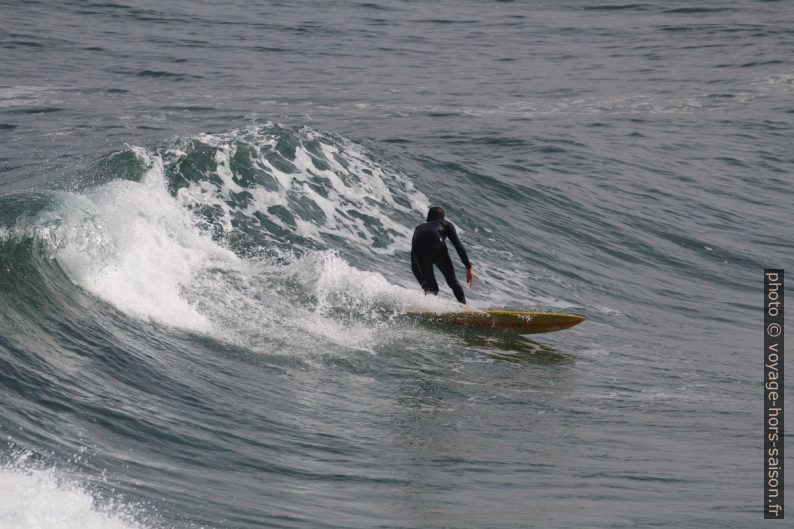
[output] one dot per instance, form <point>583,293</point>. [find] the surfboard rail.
<point>521,322</point>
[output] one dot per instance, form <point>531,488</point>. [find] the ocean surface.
<point>205,218</point>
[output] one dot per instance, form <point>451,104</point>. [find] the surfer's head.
<point>435,213</point>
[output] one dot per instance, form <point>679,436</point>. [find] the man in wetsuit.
<point>428,248</point>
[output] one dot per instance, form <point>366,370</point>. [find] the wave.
<point>244,237</point>
<point>166,274</point>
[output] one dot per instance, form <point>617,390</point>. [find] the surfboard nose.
<point>565,321</point>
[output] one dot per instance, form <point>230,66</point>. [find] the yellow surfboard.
<point>508,320</point>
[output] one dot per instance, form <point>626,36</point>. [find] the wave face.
<point>205,212</point>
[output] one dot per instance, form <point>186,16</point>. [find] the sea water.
<point>205,220</point>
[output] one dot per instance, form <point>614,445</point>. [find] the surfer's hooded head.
<point>435,213</point>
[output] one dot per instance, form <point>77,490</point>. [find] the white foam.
<point>317,295</point>
<point>134,247</point>
<point>337,284</point>
<point>355,183</point>
<point>368,301</point>
<point>39,499</point>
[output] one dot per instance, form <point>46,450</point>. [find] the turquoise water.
<point>205,213</point>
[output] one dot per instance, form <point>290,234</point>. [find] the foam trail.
<point>318,295</point>
<point>356,308</point>
<point>337,284</point>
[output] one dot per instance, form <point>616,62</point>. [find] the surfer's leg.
<point>426,271</point>
<point>444,264</point>
<point>416,270</point>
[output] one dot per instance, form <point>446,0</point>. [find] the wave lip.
<point>133,246</point>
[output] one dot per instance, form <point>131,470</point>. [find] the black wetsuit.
<point>428,248</point>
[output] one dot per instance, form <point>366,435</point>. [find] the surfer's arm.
<point>452,235</point>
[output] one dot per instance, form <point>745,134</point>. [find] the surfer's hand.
<point>470,276</point>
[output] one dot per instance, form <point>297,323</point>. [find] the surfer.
<point>428,248</point>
